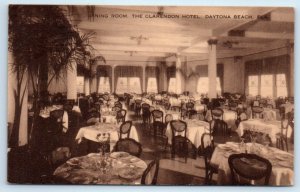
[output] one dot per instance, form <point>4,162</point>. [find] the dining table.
<point>195,129</point>
<point>282,162</point>
<point>91,132</point>
<point>117,168</point>
<point>270,128</point>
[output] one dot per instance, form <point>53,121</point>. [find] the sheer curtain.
<point>152,79</point>
<point>272,75</point>
<point>171,77</point>
<point>104,78</point>
<point>128,79</point>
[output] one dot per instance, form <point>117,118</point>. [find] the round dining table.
<point>282,162</point>
<point>117,168</point>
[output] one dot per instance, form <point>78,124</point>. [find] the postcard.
<point>150,95</point>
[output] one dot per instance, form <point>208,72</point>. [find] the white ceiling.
<point>162,37</point>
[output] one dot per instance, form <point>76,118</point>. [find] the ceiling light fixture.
<point>139,39</point>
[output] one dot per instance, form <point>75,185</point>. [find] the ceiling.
<point>118,33</point>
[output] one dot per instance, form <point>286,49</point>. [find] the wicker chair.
<point>179,139</point>
<point>149,176</point>
<point>257,111</point>
<point>246,168</point>
<point>130,146</point>
<point>207,145</point>
<point>125,129</point>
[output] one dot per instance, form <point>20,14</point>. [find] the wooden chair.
<point>125,129</point>
<point>219,127</point>
<point>282,137</point>
<point>179,139</point>
<point>257,111</point>
<point>207,145</point>
<point>157,115</point>
<point>217,113</point>
<point>121,115</point>
<point>130,146</point>
<point>246,168</point>
<point>149,176</point>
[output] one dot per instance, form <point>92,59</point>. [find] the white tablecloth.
<point>259,125</point>
<point>282,162</point>
<point>91,132</point>
<point>195,129</point>
<point>289,107</point>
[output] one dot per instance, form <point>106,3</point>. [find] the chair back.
<point>248,167</point>
<point>217,113</point>
<point>257,111</point>
<point>125,129</point>
<point>149,176</point>
<point>130,146</point>
<point>157,115</point>
<point>168,118</point>
<point>178,127</point>
<point>189,105</point>
<point>121,115</point>
<point>218,127</point>
<point>233,106</point>
<point>57,114</point>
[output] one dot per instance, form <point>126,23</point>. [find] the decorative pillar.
<point>212,68</point>
<point>179,77</point>
<point>144,79</point>
<point>71,82</point>
<point>87,86</point>
<point>292,66</point>
<point>93,85</point>
<point>113,78</point>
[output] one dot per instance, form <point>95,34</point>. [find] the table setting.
<point>97,168</point>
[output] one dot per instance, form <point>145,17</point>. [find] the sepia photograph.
<point>150,95</point>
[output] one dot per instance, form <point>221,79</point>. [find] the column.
<point>71,82</point>
<point>292,66</point>
<point>212,68</point>
<point>113,78</point>
<point>93,81</point>
<point>144,79</point>
<point>87,86</point>
<point>179,75</point>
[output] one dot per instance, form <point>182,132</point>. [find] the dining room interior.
<point>150,95</point>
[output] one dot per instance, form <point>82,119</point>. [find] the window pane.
<point>134,85</point>
<point>281,86</point>
<point>152,85</point>
<point>172,85</point>
<point>253,85</point>
<point>202,87</point>
<point>104,85</point>
<point>218,86</point>
<point>266,89</point>
<point>121,85</point>
<point>80,84</point>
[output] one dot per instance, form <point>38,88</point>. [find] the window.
<point>152,85</point>
<point>80,84</point>
<point>104,85</point>
<point>266,88</point>
<point>128,85</point>
<point>203,85</point>
<point>253,85</point>
<point>172,85</point>
<point>134,85</point>
<point>281,86</point>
